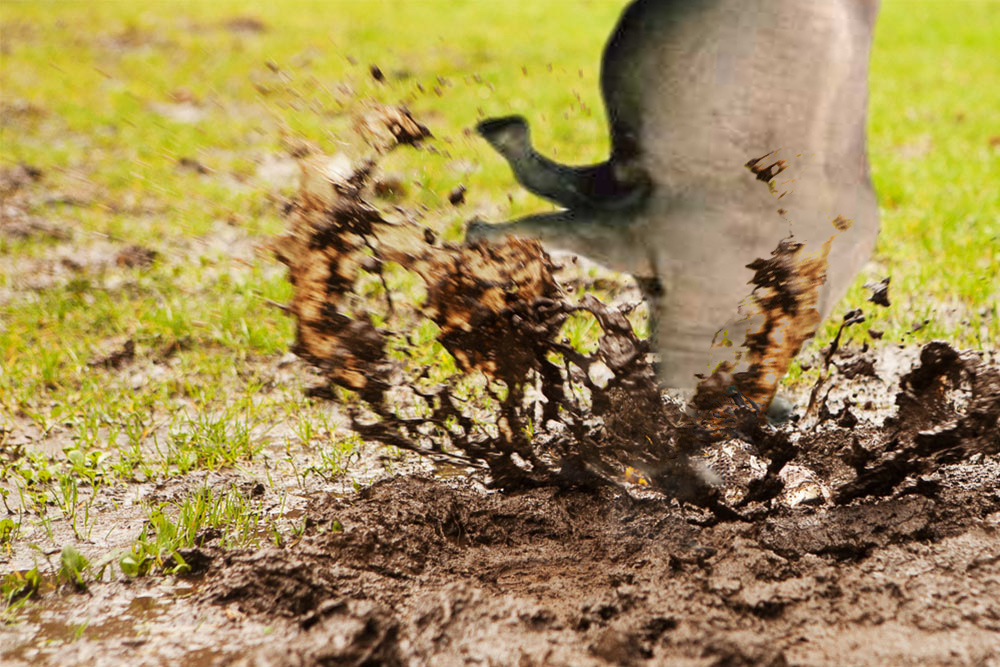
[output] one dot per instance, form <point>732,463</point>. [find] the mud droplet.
<point>457,195</point>
<point>880,292</point>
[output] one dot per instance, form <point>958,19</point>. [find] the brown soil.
<point>420,570</point>
<point>425,572</point>
<point>876,542</point>
<point>900,564</point>
<point>881,545</point>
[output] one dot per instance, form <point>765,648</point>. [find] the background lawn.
<point>166,125</point>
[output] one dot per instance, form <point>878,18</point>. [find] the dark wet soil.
<point>900,565</point>
<point>882,547</point>
<point>423,572</point>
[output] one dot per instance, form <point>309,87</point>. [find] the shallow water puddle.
<point>126,622</point>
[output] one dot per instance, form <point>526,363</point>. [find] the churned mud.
<point>882,546</point>
<point>865,530</point>
<point>417,570</point>
<point>598,522</point>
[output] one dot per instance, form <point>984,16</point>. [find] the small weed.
<point>8,530</point>
<point>78,632</point>
<point>72,567</point>
<point>17,588</point>
<point>229,517</point>
<point>210,441</point>
<point>581,331</point>
<point>335,458</point>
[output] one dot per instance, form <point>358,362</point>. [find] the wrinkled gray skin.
<point>694,89</point>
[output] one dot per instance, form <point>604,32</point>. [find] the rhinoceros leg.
<point>607,238</point>
<point>606,186</point>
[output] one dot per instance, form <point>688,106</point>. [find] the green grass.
<point>93,95</point>
<point>934,143</point>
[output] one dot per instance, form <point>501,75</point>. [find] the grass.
<point>172,527</point>
<point>935,148</point>
<point>156,124</point>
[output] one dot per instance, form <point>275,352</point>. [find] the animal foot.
<point>509,135</point>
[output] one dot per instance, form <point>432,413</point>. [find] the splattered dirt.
<point>429,570</point>
<point>864,530</point>
<point>498,314</point>
<point>883,547</point>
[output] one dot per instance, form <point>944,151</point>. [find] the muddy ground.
<point>864,531</point>
<point>883,548</point>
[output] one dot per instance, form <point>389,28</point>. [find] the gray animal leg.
<point>602,237</point>
<point>599,186</point>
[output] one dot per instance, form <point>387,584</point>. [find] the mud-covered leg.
<point>604,238</point>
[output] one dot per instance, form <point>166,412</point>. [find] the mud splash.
<point>865,531</point>
<point>416,570</point>
<point>498,313</point>
<point>528,407</point>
